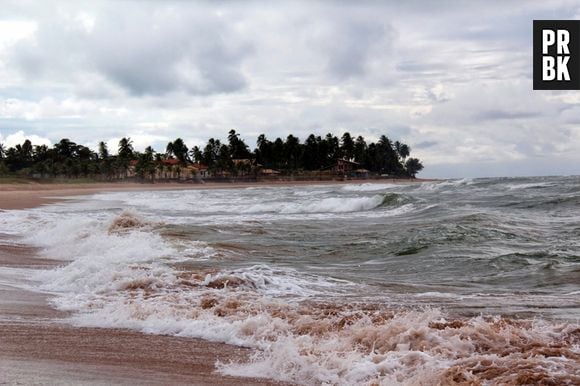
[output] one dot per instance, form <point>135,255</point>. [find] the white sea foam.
<point>528,185</point>
<point>325,205</point>
<point>126,280</point>
<point>304,201</point>
<point>434,294</point>
<point>301,329</point>
<point>368,187</point>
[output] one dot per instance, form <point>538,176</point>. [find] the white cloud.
<point>19,137</point>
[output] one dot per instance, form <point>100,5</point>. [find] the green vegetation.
<point>66,159</point>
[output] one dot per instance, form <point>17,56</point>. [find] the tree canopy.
<point>288,156</point>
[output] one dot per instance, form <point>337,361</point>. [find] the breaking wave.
<point>249,282</point>
<point>126,221</point>
<point>130,280</point>
<point>325,205</point>
<point>368,187</point>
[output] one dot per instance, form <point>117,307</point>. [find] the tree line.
<point>288,156</point>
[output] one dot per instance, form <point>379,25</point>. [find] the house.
<point>344,167</point>
<point>170,161</point>
<point>242,161</point>
<point>201,170</point>
<point>168,168</point>
<point>361,173</point>
<point>243,165</point>
<point>132,169</point>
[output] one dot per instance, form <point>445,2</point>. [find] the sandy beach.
<point>37,346</point>
<point>21,196</point>
<point>226,267</point>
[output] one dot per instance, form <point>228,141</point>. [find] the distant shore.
<point>30,194</point>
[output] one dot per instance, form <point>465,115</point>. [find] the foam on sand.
<point>125,271</point>
<point>128,280</point>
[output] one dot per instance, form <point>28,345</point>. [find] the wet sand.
<point>37,346</point>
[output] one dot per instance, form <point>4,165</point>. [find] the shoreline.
<point>40,347</point>
<point>30,195</point>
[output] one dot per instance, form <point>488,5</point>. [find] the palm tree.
<point>2,151</point>
<point>264,151</point>
<point>405,151</point>
<point>169,150</point>
<point>402,150</point>
<point>178,149</point>
<point>145,166</point>
<point>126,148</point>
<point>360,149</point>
<point>261,140</point>
<point>347,146</point>
<point>159,165</point>
<point>332,148</point>
<point>311,158</point>
<point>237,146</point>
<point>103,150</point>
<point>413,166</point>
<point>196,154</point>
<point>65,148</point>
<point>292,149</point>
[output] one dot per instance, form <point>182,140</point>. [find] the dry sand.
<point>21,196</point>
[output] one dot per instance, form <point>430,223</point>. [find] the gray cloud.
<point>426,144</point>
<point>145,53</point>
<point>350,43</point>
<point>505,114</point>
<point>451,79</point>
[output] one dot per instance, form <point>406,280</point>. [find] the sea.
<point>467,282</point>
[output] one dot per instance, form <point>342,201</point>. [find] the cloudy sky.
<point>450,78</point>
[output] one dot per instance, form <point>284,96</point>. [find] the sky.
<point>452,79</point>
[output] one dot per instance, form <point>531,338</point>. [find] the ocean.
<point>471,281</point>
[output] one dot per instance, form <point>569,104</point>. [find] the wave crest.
<point>126,221</point>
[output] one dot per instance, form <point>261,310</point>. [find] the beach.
<point>38,347</point>
<point>29,195</point>
<point>375,283</point>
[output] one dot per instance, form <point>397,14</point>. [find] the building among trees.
<point>317,157</point>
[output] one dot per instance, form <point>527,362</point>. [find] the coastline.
<point>39,347</point>
<point>30,195</point>
<point>35,336</point>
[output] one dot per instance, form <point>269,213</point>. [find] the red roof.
<point>170,161</point>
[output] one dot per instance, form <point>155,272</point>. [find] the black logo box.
<point>573,27</point>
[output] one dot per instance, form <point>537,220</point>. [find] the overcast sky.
<point>450,78</point>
